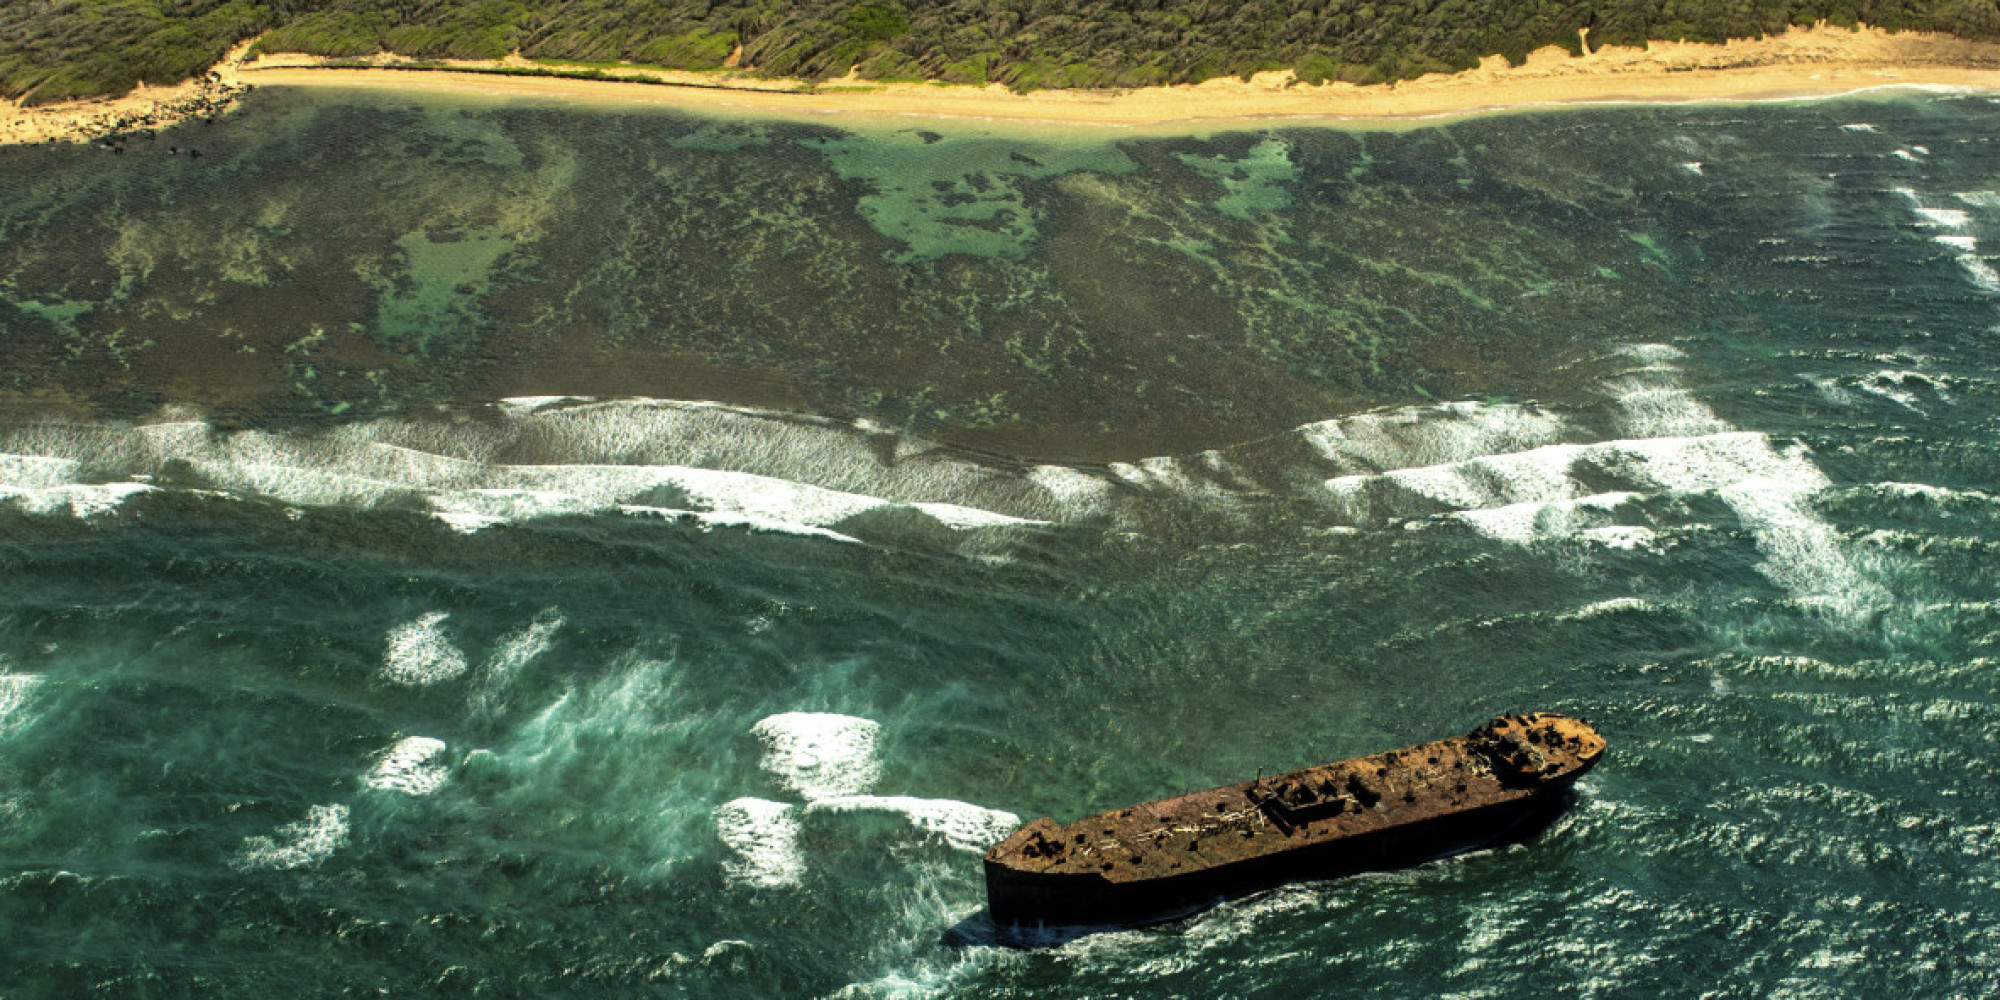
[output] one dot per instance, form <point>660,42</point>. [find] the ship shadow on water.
<point>979,929</point>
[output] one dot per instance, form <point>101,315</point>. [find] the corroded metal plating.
<point>1126,864</point>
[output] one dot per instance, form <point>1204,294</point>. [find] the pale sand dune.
<point>1800,63</point>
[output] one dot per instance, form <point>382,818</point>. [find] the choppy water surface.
<point>502,550</point>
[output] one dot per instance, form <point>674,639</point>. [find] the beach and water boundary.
<point>1800,63</point>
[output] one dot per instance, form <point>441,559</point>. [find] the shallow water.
<point>346,647</point>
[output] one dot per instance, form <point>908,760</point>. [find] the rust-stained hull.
<point>1163,859</point>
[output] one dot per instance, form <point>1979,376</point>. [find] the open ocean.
<point>470,548</point>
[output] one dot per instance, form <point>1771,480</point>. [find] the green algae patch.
<point>1259,181</point>
<point>436,292</point>
<point>941,194</point>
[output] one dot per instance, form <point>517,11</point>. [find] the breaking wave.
<point>818,755</point>
<point>304,844</point>
<point>411,767</point>
<point>764,836</point>
<point>421,654</point>
<point>1519,473</point>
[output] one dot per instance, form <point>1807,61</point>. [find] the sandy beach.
<point>1801,63</point>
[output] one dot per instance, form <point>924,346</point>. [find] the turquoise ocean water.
<point>501,549</point>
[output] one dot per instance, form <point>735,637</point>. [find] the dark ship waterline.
<point>1165,859</point>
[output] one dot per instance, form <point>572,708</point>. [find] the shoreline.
<point>1802,63</point>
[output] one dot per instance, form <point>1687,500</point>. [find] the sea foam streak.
<point>510,656</point>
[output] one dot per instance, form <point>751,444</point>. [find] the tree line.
<point>54,50</point>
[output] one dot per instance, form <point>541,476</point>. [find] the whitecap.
<point>410,767</point>
<point>1615,605</point>
<point>1983,276</point>
<point>304,844</point>
<point>14,692</point>
<point>1624,537</point>
<point>1944,218</point>
<point>819,754</point>
<point>962,825</point>
<point>419,653</point>
<point>764,836</point>
<point>81,500</point>
<point>1420,436</point>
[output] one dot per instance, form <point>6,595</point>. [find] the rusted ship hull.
<point>1018,899</point>
<point>1165,859</point>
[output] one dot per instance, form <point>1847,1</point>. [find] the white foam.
<point>1831,390</point>
<point>1623,537</point>
<point>1935,494</point>
<point>1653,401</point>
<point>420,654</point>
<point>1165,474</point>
<point>962,825</point>
<point>1858,127</point>
<point>80,500</point>
<point>966,518</point>
<point>1904,154</point>
<point>510,655</point>
<point>710,521</point>
<point>1431,435</point>
<point>1893,385</point>
<point>1802,553</point>
<point>1679,447</point>
<point>515,650</point>
<point>718,496</point>
<point>50,484</point>
<point>1507,488</point>
<point>1522,523</point>
<point>33,472</point>
<point>1653,353</point>
<point>466,523</point>
<point>1944,218</point>
<point>14,692</point>
<point>819,755</point>
<point>469,511</point>
<point>529,404</point>
<point>1692,167</point>
<point>555,456</point>
<point>1076,493</point>
<point>1613,606</point>
<point>764,836</point>
<point>410,767</point>
<point>1983,276</point>
<point>1966,244</point>
<point>1981,199</point>
<point>298,845</point>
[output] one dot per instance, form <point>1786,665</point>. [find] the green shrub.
<point>875,24</point>
<point>697,49</point>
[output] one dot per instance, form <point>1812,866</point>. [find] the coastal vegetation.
<point>52,50</point>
